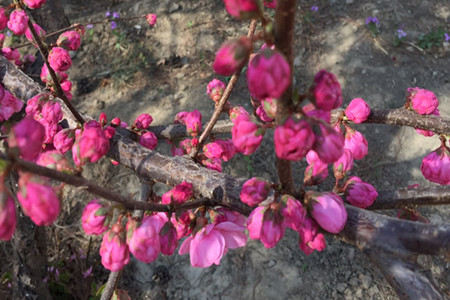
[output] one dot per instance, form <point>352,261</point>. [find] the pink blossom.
<point>221,149</point>
<point>8,104</point>
<point>179,194</point>
<point>185,147</point>
<point>223,215</point>
<point>293,212</point>
<point>359,193</point>
<point>18,22</point>
<point>59,59</point>
<point>268,74</point>
<point>38,199</point>
<point>211,163</point>
<point>309,238</point>
<point>273,227</point>
<point>102,118</point>
<point>192,120</point>
<point>232,56</point>
<point>238,111</point>
<point>7,213</point>
<point>215,89</point>
<point>114,250</point>
<point>293,139</point>
<point>110,131</point>
<point>151,19</point>
<point>95,218</point>
<point>317,170</point>
<point>39,31</point>
<point>29,58</point>
<point>436,166</point>
<point>312,111</point>
<point>327,91</point>
<point>343,165</point>
<point>246,136</point>
<point>329,144</point>
<point>115,122</point>
<point>90,147</point>
<point>64,140</point>
<point>144,240</point>
<point>143,121</point>
<point>168,239</point>
<point>69,40</point>
<point>357,111</point>
<point>28,135</point>
<point>3,18</point>
<point>148,139</point>
<point>10,53</point>
<point>45,75</point>
<point>182,224</point>
<point>33,4</point>
<point>328,210</point>
<point>356,143</point>
<point>241,8</point>
<point>54,159</point>
<point>423,101</point>
<point>255,221</point>
<point>233,234</point>
<point>254,191</point>
<point>270,3</point>
<point>51,112</point>
<point>66,85</point>
<point>261,113</point>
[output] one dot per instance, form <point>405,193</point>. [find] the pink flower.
<point>95,218</point>
<point>238,111</point>
<point>424,102</point>
<point>8,104</point>
<point>110,131</point>
<point>436,166</point>
<point>54,159</point>
<point>268,74</point>
<point>319,114</point>
<point>192,120</point>
<point>59,59</point>
<point>273,227</point>
<point>3,18</point>
<point>359,193</point>
<point>148,139</point>
<point>211,163</point>
<point>143,121</point>
<point>255,221</point>
<point>168,239</point>
<point>261,113</point>
<point>179,194</point>
<point>215,89</point>
<point>356,143</point>
<point>38,199</point>
<point>293,212</point>
<point>343,165</point>
<point>329,143</point>
<point>39,30</point>
<point>45,75</point>
<point>51,112</point>
<point>151,19</point>
<point>114,250</point>
<point>246,136</point>
<point>232,56</point>
<point>18,22</point>
<point>64,140</point>
<point>293,139</point>
<point>241,8</point>
<point>69,40</point>
<point>270,3</point>
<point>10,53</point>
<point>327,91</point>
<point>7,213</point>
<point>357,111</point>
<point>33,4</point>
<point>221,149</point>
<point>90,147</point>
<point>182,224</point>
<point>28,135</point>
<point>309,238</point>
<point>317,171</point>
<point>254,191</point>
<point>144,240</point>
<point>115,122</point>
<point>328,210</point>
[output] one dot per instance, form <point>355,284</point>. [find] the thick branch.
<point>174,131</point>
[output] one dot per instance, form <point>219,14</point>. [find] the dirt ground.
<point>163,70</point>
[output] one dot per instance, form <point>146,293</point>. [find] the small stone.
<point>359,293</point>
<point>351,252</point>
<point>349,1</point>
<point>174,7</point>
<point>410,49</point>
<point>366,281</point>
<point>341,287</point>
<point>353,281</point>
<point>271,263</point>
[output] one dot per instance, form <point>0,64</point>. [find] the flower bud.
<point>69,40</point>
<point>59,59</point>
<point>293,212</point>
<point>143,121</point>
<point>436,166</point>
<point>254,222</point>
<point>329,143</point>
<point>95,218</point>
<point>242,8</point>
<point>246,136</point>
<point>293,139</point>
<point>10,53</point>
<point>357,111</point>
<point>8,104</point>
<point>18,22</point>
<point>221,149</point>
<point>424,102</point>
<point>54,159</point>
<point>269,105</point>
<point>3,18</point>
<point>28,135</point>
<point>179,194</point>
<point>319,114</point>
<point>39,31</point>
<point>238,111</point>
<point>270,3</point>
<point>114,250</point>
<point>359,193</point>
<point>149,140</point>
<point>317,171</point>
<point>356,143</point>
<point>33,4</point>
<point>192,120</point>
<point>232,56</point>
<point>328,210</point>
<point>254,191</point>
<point>309,238</point>
<point>64,140</point>
<point>273,227</point>
<point>343,165</point>
<point>428,132</point>
<point>326,90</point>
<point>261,113</point>
<point>268,74</point>
<point>90,147</point>
<point>151,19</point>
<point>168,239</point>
<point>215,89</point>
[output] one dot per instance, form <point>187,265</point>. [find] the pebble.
<point>341,287</point>
<point>353,281</point>
<point>174,7</point>
<point>351,252</point>
<point>349,1</point>
<point>366,281</point>
<point>271,263</point>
